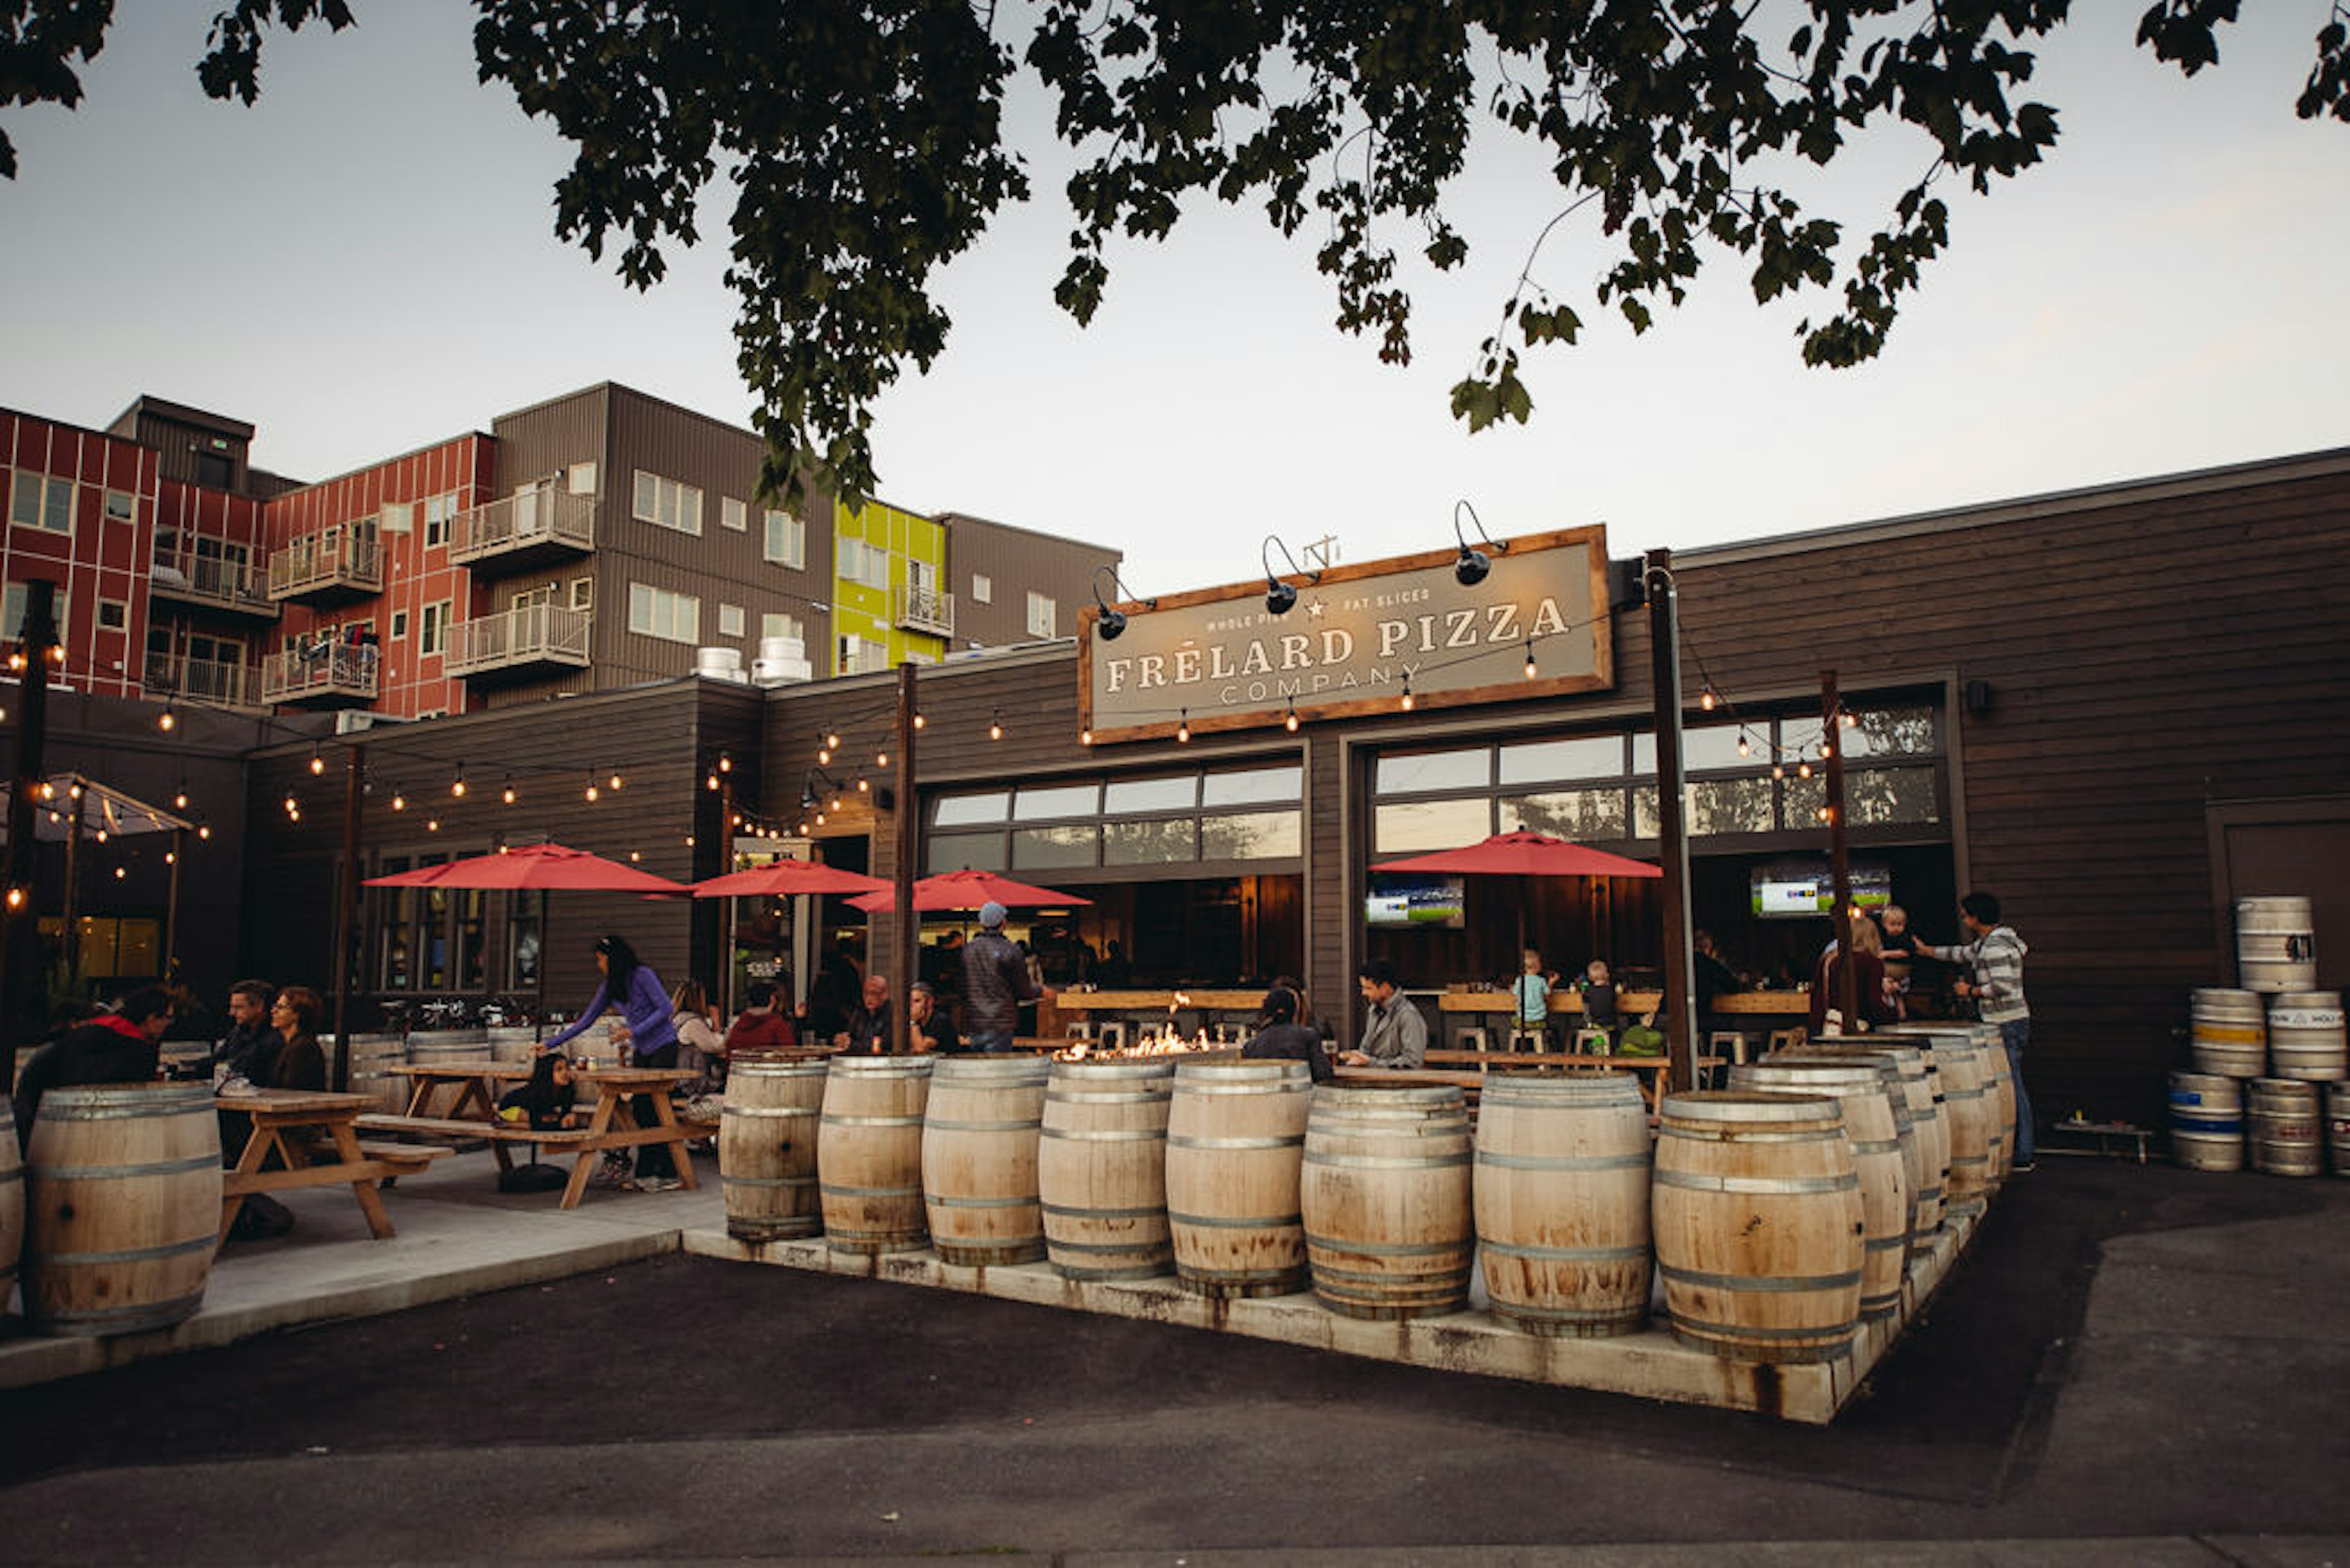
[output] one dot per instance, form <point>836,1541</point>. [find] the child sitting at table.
<point>1531,1013</point>
<point>547,1100</point>
<point>1599,993</point>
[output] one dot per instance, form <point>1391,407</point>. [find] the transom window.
<point>1228,815</point>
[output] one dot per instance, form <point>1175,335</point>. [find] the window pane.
<point>1584,815</point>
<point>1645,822</point>
<point>1430,824</point>
<point>1435,770</point>
<point>1891,732</point>
<point>1874,795</point>
<point>1148,843</point>
<point>1584,757</point>
<point>1800,800</point>
<point>1254,785</point>
<point>1253,835</point>
<point>1644,753</point>
<point>1730,806</point>
<point>1070,844</point>
<point>1058,800</point>
<point>1716,746</point>
<point>647,499</point>
<point>990,805</point>
<point>1126,796</point>
<point>956,851</point>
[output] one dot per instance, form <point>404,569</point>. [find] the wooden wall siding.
<point>651,733</point>
<point>179,435</point>
<point>1333,933</point>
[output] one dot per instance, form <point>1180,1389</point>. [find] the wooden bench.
<point>465,1127</point>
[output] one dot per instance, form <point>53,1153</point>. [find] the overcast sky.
<point>365,262</point>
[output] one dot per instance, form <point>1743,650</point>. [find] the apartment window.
<point>121,507</point>
<point>114,615</point>
<point>982,589</point>
<point>667,503</point>
<point>440,511</point>
<point>779,625</point>
<point>1044,615</point>
<point>396,517</point>
<point>730,621</point>
<point>859,655</point>
<point>432,629</point>
<point>658,612</point>
<point>37,501</point>
<point>399,625</point>
<point>540,596</point>
<point>583,593</point>
<point>12,613</point>
<point>786,539</point>
<point>579,478</point>
<point>733,513</point>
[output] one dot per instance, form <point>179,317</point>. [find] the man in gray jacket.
<point>1395,1036</point>
<point>995,981</point>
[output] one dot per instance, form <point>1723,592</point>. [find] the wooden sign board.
<point>1357,638</point>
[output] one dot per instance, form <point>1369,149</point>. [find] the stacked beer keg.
<point>2268,1057</point>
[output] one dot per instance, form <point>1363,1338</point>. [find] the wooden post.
<point>904,933</point>
<point>726,912</point>
<point>71,935</point>
<point>347,907</point>
<point>1672,830</point>
<point>21,991</point>
<point>1847,996</point>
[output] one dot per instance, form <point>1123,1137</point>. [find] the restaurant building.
<point>2115,708</point>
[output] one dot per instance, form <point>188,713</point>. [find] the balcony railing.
<point>207,580</point>
<point>345,559</point>
<point>922,609</point>
<point>519,639</point>
<point>213,680</point>
<point>321,672</point>
<point>524,529</point>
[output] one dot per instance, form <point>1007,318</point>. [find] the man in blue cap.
<point>995,981</point>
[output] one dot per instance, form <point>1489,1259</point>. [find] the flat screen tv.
<point>1427,903</point>
<point>1804,889</point>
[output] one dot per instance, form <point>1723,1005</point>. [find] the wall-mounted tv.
<point>1427,903</point>
<point>1806,889</point>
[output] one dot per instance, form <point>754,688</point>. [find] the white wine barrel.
<point>980,1133</point>
<point>1385,1195</point>
<point>2207,1121</point>
<point>870,1174</point>
<point>1235,1148</point>
<point>1561,1202</point>
<point>1760,1229</point>
<point>2305,1038</point>
<point>2228,1033</point>
<point>122,1207</point>
<point>2276,945</point>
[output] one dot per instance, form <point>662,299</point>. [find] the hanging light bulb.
<point>1085,735</point>
<point>1743,749</point>
<point>1407,693</point>
<point>920,721</point>
<point>995,725</point>
<point>15,897</point>
<point>1804,770</point>
<point>634,857</point>
<point>507,794</point>
<point>1778,770</point>
<point>170,858</point>
<point>102,836</point>
<point>432,824</point>
<point>120,872</point>
<point>293,816</point>
<point>1706,698</point>
<point>725,763</point>
<point>318,761</point>
<point>712,781</point>
<point>205,830</point>
<point>881,759</point>
<point>399,801</point>
<point>1530,659</point>
<point>457,785</point>
<point>616,778</point>
<point>863,785</point>
<point>590,792</point>
<point>819,819</point>
<point>1183,725</point>
<point>1848,718</point>
<point>1290,723</point>
<point>167,720</point>
<point>832,739</point>
<point>180,800</point>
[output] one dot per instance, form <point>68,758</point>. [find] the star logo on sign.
<point>1314,610</point>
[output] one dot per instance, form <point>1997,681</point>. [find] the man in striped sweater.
<point>1996,955</point>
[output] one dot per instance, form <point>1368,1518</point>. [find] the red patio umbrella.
<point>1523,854</point>
<point>967,890</point>
<point>783,879</point>
<point>542,867</point>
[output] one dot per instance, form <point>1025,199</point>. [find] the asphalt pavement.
<point>2133,1364</point>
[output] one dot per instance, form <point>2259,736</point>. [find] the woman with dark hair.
<point>299,1062</point>
<point>1280,1037</point>
<point>633,988</point>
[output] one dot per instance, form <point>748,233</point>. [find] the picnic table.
<point>289,1122</point>
<point>472,1113</point>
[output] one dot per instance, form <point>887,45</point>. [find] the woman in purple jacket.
<point>637,992</point>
